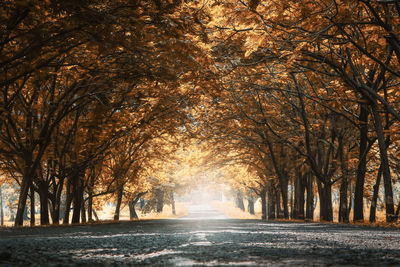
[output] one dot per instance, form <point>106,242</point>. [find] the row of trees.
<point>309,95</point>
<point>95,97</point>
<point>91,93</point>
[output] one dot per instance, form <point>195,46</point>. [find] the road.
<point>203,238</point>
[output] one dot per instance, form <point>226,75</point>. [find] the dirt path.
<point>192,242</point>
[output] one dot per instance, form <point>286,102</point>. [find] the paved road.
<point>200,241</point>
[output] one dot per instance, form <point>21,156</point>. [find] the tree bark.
<point>23,195</point>
<point>343,213</point>
<point>78,198</point>
<point>271,203</point>
<point>68,202</point>
<point>362,165</point>
<point>387,180</point>
<point>263,196</point>
<point>44,203</point>
<point>325,204</point>
<point>173,203</point>
<point>132,212</point>
<point>372,209</point>
<point>32,191</point>
<point>118,204</point>
<point>90,196</point>
<point>160,200</point>
<point>57,204</point>
<point>83,211</point>
<point>250,204</point>
<point>299,200</point>
<point>239,201</point>
<point>310,197</point>
<point>1,208</point>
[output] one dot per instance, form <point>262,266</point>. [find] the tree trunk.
<point>83,211</point>
<point>90,196</point>
<point>1,208</point>
<point>250,204</point>
<point>160,200</point>
<point>68,202</point>
<point>279,210</point>
<point>325,201</point>
<point>271,203</point>
<point>362,165</point>
<point>57,204</point>
<point>263,204</point>
<point>372,210</point>
<point>310,197</point>
<point>284,193</point>
<point>90,209</point>
<point>299,190</point>
<point>351,198</point>
<point>343,214</point>
<point>77,197</point>
<point>173,203</point>
<point>239,200</point>
<point>95,214</point>
<point>44,203</point>
<point>132,212</point>
<point>387,180</point>
<point>32,191</point>
<point>118,205</point>
<point>23,195</point>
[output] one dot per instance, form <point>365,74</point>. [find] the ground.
<point>203,238</point>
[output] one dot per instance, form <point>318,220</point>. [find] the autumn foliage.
<point>293,101</point>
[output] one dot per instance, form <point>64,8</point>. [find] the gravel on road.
<point>200,242</point>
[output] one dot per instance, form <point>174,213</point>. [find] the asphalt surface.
<point>203,238</point>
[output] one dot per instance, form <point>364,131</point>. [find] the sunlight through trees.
<point>290,104</point>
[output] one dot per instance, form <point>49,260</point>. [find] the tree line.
<point>309,101</point>
<point>97,96</point>
<point>92,93</point>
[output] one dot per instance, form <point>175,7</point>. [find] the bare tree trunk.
<point>1,208</point>
<point>284,193</point>
<point>362,165</point>
<point>95,214</point>
<point>372,209</point>
<point>83,211</point>
<point>44,203</point>
<point>263,204</point>
<point>32,205</point>
<point>160,200</point>
<point>239,200</point>
<point>23,195</point>
<point>77,197</point>
<point>68,202</point>
<point>57,204</point>
<point>132,211</point>
<point>299,188</point>
<point>271,203</point>
<point>343,214</point>
<point>173,203</point>
<point>310,197</point>
<point>90,196</point>
<point>325,204</point>
<point>250,204</point>
<point>387,180</point>
<point>118,204</point>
